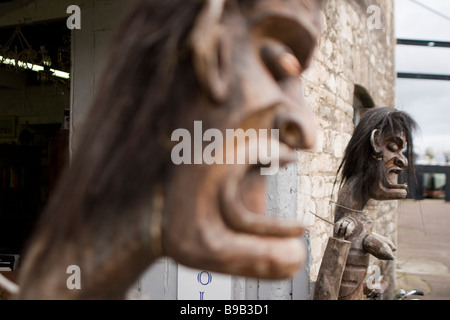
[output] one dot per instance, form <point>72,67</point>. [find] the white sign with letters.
<point>202,285</point>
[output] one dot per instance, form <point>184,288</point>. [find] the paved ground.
<point>423,255</point>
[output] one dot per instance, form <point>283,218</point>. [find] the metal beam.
<point>423,76</point>
<point>424,43</point>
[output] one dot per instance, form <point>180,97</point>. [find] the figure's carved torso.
<point>357,262</point>
<point>358,258</point>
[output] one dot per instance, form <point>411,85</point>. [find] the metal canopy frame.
<point>423,43</point>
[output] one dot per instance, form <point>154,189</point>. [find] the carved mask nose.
<point>401,161</point>
<point>296,132</point>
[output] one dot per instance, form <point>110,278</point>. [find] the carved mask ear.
<point>373,140</point>
<point>210,59</point>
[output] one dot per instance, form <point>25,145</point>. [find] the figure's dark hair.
<point>121,152</point>
<point>361,159</point>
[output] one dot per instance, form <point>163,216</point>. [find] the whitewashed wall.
<point>90,46</point>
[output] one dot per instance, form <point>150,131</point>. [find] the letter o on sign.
<point>204,278</point>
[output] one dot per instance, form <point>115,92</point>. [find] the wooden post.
<point>331,270</point>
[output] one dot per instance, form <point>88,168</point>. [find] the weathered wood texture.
<point>332,269</point>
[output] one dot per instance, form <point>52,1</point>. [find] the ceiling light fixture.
<point>34,67</point>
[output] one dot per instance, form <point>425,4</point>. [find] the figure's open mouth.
<point>392,179</point>
<point>243,199</point>
<point>253,184</point>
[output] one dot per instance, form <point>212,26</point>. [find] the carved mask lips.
<point>244,196</point>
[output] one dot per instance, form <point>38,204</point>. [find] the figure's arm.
<point>375,244</point>
<point>379,246</point>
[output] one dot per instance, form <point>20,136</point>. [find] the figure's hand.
<point>345,227</point>
<point>379,246</point>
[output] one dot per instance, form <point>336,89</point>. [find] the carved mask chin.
<point>392,163</point>
<point>249,62</point>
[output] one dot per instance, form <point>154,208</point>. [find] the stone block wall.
<point>351,52</point>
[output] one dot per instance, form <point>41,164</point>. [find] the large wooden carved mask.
<point>249,57</point>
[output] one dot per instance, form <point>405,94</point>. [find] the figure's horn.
<point>373,141</point>
<point>9,286</point>
<point>209,57</point>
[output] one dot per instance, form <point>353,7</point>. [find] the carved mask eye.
<point>280,60</point>
<point>396,144</point>
<point>392,146</point>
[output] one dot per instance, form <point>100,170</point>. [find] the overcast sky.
<point>428,101</point>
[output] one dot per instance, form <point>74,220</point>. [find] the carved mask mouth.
<point>392,179</point>
<point>253,186</point>
<point>252,189</point>
<point>243,200</point>
<point>389,188</point>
